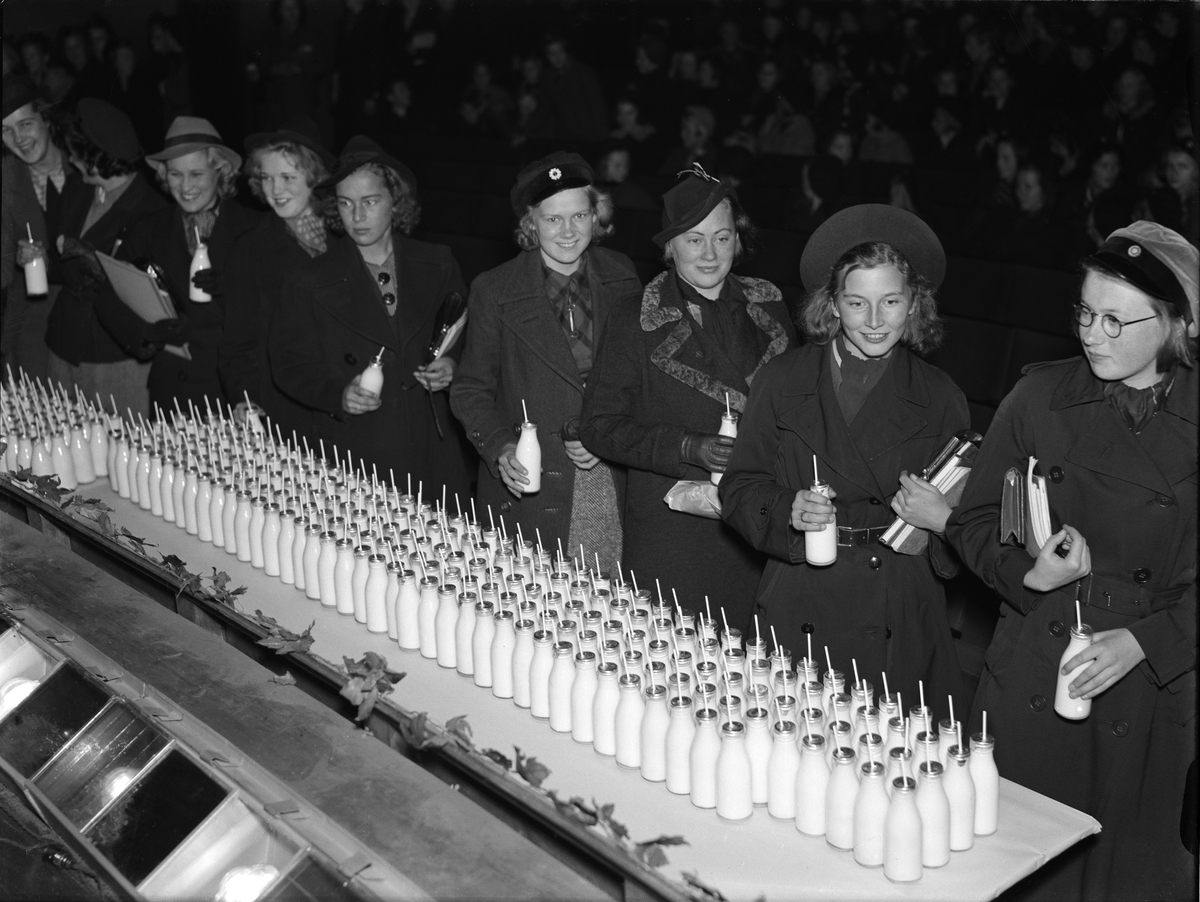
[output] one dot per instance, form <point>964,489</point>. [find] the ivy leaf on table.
<point>498,758</point>
<point>698,889</point>
<point>651,854</point>
<point>366,680</point>
<point>419,735</point>
<point>460,729</point>
<point>283,640</point>
<point>574,808</point>
<point>530,769</point>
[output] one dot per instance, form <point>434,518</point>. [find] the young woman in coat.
<point>668,360</point>
<point>374,289</point>
<point>859,399</point>
<point>1114,433</point>
<point>531,336</point>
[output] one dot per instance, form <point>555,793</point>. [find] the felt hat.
<point>690,201</point>
<point>109,129</point>
<point>302,131</point>
<point>1156,260</point>
<point>358,152</point>
<point>19,91</point>
<point>546,177</point>
<point>187,134</point>
<point>869,223</point>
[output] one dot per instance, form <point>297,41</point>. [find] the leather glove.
<point>570,430</point>
<point>208,280</point>
<point>710,452</point>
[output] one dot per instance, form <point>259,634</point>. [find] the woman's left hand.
<point>920,504</point>
<point>1113,654</point>
<point>437,375</point>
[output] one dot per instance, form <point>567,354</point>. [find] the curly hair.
<point>226,173</point>
<point>91,158</point>
<point>742,225</point>
<point>526,234</point>
<point>406,209</point>
<point>298,155</point>
<point>58,123</point>
<point>923,330</point>
<point>1178,348</point>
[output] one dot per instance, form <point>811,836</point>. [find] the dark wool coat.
<point>516,350</point>
<point>262,260</point>
<point>74,331</point>
<point>160,238</point>
<point>885,610</point>
<point>657,377</point>
<point>1133,498</point>
<point>335,322</point>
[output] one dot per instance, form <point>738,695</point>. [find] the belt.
<point>848,537</point>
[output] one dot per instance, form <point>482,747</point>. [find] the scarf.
<point>1137,406</point>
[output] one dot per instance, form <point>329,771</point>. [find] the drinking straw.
<point>707,608</point>
<point>958,736</point>
<point>952,720</point>
<point>808,636</point>
<point>524,410</point>
<point>857,682</point>
<point>816,478</point>
<point>887,694</point>
<point>829,664</point>
<point>724,619</point>
<point>757,639</point>
<point>1078,614</point>
<point>728,413</point>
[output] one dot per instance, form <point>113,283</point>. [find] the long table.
<point>760,857</point>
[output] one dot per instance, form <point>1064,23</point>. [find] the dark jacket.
<point>261,261</point>
<point>657,377</point>
<point>160,238</point>
<point>1133,498</point>
<point>885,610</point>
<point>74,331</point>
<point>335,323</point>
<point>516,351</point>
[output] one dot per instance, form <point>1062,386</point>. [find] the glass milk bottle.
<point>191,489</point>
<point>840,796</point>
<point>113,460</point>
<point>934,808</point>
<point>539,674</point>
<point>216,509</point>
<point>241,524</point>
<point>326,564</point>
<point>758,748</point>
<point>820,546</point>
<point>343,577</point>
<point>656,721</point>
<point>445,619</point>
<point>987,784</point>
<point>870,810</point>
<point>899,764</point>
<point>702,761</point>
<point>781,772</point>
<point>832,683</point>
<point>680,733</point>
<point>583,694</point>
<point>604,710</point>
<point>1064,705</point>
<point>155,483</point>
<point>504,643</point>
<point>946,738</point>
<point>391,594</point>
<point>481,643</point>
<point>371,379</point>
<point>561,681</point>
<point>143,477</point>
<point>269,537</point>
<point>258,519</point>
<point>630,709</point>
<point>427,617</point>
<point>200,260</point>
<point>729,427</point>
<point>895,735</point>
<point>734,802</point>
<point>376,592</point>
<point>960,790</point>
<point>521,662</point>
<point>98,446</point>
<point>285,545</point>
<point>812,785</point>
<point>902,842</point>
<point>228,515</point>
<point>81,456</point>
<point>131,468</point>
<point>464,630</point>
<point>312,554</point>
<point>408,626</point>
<point>529,455</point>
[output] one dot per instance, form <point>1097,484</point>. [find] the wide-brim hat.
<point>187,134</point>
<point>1156,260</point>
<point>358,152</point>
<point>546,177</point>
<point>109,129</point>
<point>690,201</point>
<point>302,131</point>
<point>868,224</point>
<point>18,92</point>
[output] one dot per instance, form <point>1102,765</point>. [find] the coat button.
<point>875,501</point>
<point>1141,575</point>
<point>1057,628</point>
<point>506,506</point>
<point>874,563</point>
<point>1037,702</point>
<point>1056,474</point>
<point>808,628</point>
<point>1120,728</point>
<point>887,633</point>
<point>1164,500</point>
<point>350,359</point>
<point>475,434</point>
<point>762,511</point>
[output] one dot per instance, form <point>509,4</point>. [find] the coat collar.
<point>662,307</point>
<point>346,283</point>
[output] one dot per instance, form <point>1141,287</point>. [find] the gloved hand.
<point>166,332</point>
<point>208,280</point>
<point>711,452</point>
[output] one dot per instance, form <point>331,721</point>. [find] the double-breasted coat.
<point>885,610</point>
<point>160,238</point>
<point>658,376</point>
<point>516,350</point>
<point>330,322</point>
<point>1133,498</point>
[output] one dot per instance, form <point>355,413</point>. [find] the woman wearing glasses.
<point>374,291</point>
<point>1114,433</point>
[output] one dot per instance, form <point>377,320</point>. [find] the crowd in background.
<point>1062,121</point>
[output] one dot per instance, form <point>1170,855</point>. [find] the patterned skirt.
<point>596,518</point>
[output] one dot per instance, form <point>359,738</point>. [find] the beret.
<point>870,223</point>
<point>358,152</point>
<point>547,176</point>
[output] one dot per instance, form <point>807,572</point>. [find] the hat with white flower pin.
<point>548,176</point>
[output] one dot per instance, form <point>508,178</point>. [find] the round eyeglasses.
<point>1085,316</point>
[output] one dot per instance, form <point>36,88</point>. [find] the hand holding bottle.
<point>1114,653</point>
<point>208,281</point>
<point>512,473</point>
<point>711,452</point>
<point>357,401</point>
<point>28,251</point>
<point>811,511</point>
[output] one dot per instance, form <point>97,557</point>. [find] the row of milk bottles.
<point>61,440</point>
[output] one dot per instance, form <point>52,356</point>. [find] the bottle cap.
<point>585,659</point>
<point>904,784</point>
<point>732,729</point>
<point>630,680</point>
<point>685,701</point>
